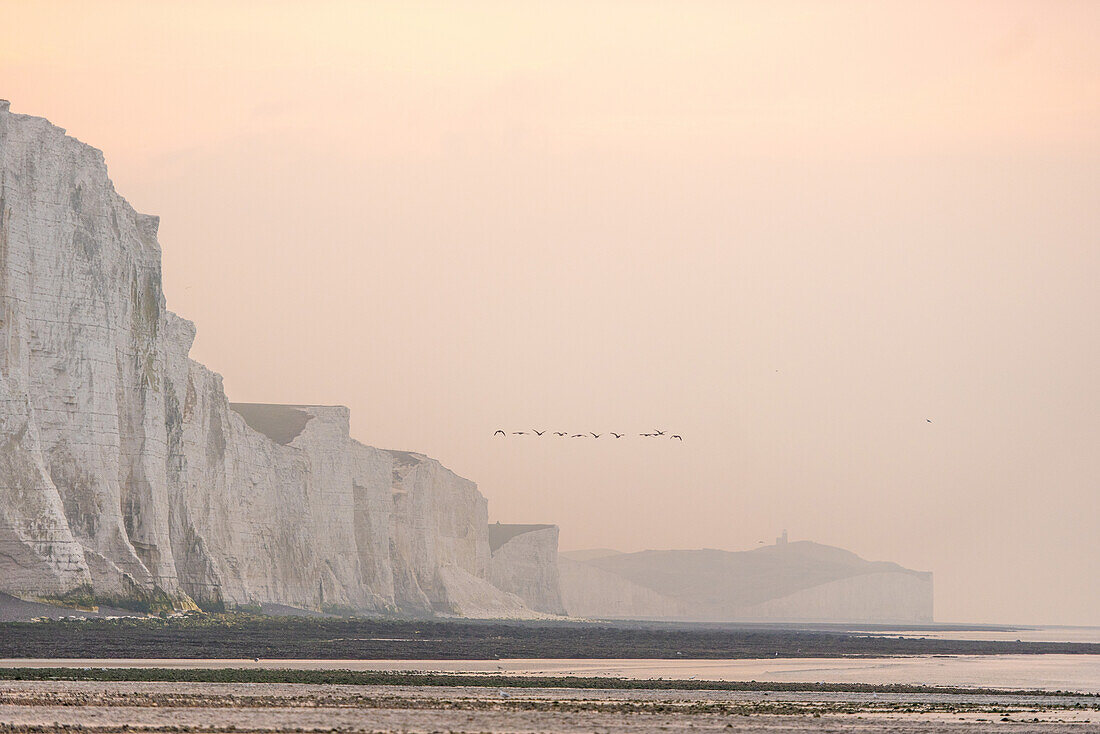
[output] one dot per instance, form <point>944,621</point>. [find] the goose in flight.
<point>519,433</point>
<point>676,437</point>
<point>502,433</point>
<point>578,435</point>
<point>616,435</point>
<point>560,433</point>
<point>538,433</point>
<point>659,433</point>
<point>595,435</point>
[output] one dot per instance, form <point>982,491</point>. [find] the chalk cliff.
<point>524,562</point>
<point>800,581</point>
<point>589,591</point>
<point>127,476</point>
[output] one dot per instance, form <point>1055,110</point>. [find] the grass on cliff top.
<point>385,678</point>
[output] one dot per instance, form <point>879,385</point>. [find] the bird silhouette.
<point>647,434</point>
<point>676,437</point>
<point>560,433</point>
<point>519,433</point>
<point>578,435</point>
<point>928,419</point>
<point>502,433</point>
<point>616,435</point>
<point>595,435</point>
<point>659,432</point>
<point>538,433</point>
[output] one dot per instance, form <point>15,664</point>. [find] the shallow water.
<point>1001,634</point>
<point>1079,673</point>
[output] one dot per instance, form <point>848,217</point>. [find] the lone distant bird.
<point>538,433</point>
<point>928,419</point>
<point>616,435</point>
<point>560,433</point>
<point>502,433</point>
<point>503,693</point>
<point>596,435</point>
<point>677,437</point>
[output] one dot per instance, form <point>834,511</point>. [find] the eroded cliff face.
<point>82,363</point>
<point>126,474</point>
<point>524,562</point>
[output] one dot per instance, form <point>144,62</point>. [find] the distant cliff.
<point>126,476</point>
<point>800,581</point>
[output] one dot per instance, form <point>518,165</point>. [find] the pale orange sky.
<point>790,231</point>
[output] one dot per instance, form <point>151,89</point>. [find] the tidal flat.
<point>250,636</point>
<point>136,706</point>
<point>658,678</point>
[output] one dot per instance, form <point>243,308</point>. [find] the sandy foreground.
<point>42,706</point>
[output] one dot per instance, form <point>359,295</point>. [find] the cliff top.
<point>281,423</point>
<point>499,533</point>
<point>588,554</point>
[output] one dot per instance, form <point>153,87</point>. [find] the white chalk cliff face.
<point>127,476</point>
<point>524,562</point>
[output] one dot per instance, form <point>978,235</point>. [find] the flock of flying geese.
<point>564,434</point>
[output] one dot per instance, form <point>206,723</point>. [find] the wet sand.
<point>27,706</point>
<point>1078,673</point>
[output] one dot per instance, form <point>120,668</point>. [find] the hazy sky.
<point>792,232</point>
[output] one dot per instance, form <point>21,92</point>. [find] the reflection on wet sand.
<point>1079,673</point>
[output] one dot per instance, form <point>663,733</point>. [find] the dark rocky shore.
<point>335,638</point>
